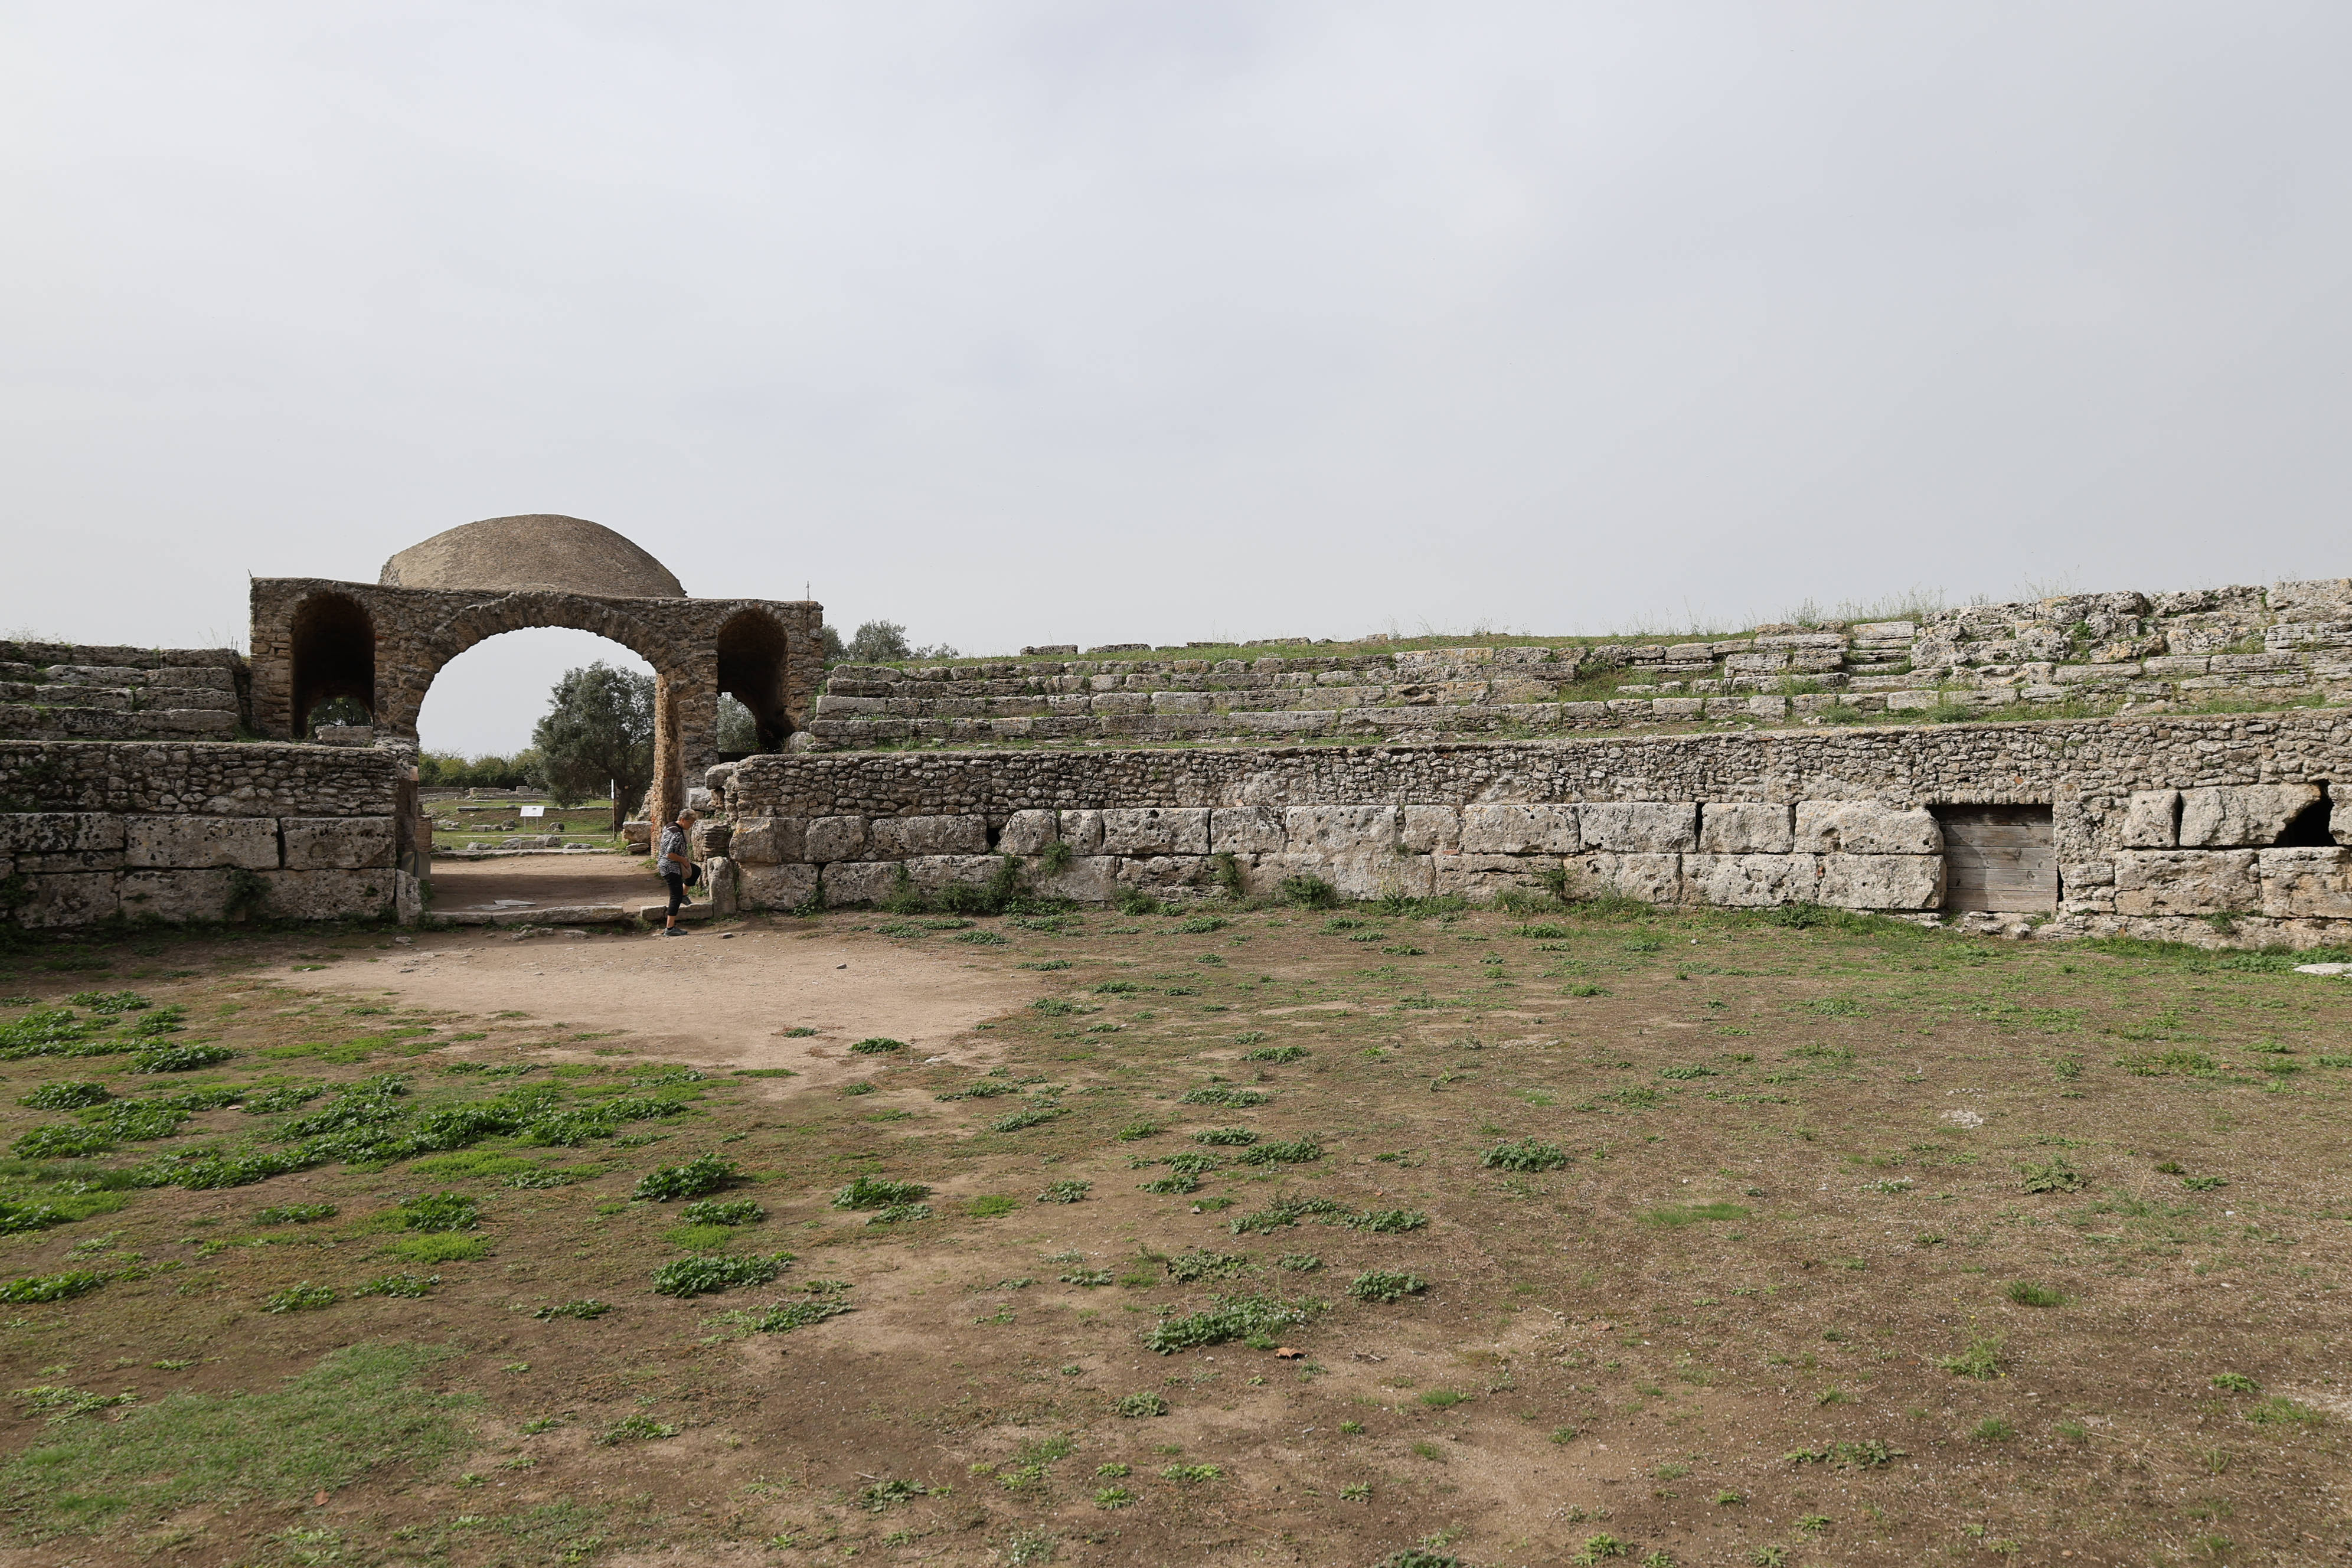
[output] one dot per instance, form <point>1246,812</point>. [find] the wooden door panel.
<point>1999,857</point>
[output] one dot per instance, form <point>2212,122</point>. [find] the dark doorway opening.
<point>2000,858</point>
<point>333,656</point>
<point>752,656</point>
<point>2309,828</point>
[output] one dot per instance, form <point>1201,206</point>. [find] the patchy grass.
<point>356,1410</point>
<point>1661,1204</point>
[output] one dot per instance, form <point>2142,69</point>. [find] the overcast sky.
<point>1026,323</point>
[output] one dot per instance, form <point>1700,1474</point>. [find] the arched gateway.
<point>381,644</point>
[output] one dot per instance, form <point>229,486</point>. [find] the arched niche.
<point>754,658</point>
<point>332,642</point>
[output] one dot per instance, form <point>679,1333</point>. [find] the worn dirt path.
<point>710,999</point>
<point>544,881</point>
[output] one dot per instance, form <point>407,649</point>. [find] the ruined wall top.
<point>540,550</point>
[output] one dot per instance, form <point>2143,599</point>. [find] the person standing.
<point>671,860</point>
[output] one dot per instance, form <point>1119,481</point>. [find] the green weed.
<point>1386,1286</point>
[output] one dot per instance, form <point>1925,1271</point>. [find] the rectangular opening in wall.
<point>1999,857</point>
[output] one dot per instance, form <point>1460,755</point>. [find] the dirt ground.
<point>1666,1238</point>
<point>719,999</point>
<point>543,881</point>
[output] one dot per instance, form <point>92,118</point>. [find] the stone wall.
<point>67,691</point>
<point>384,647</point>
<point>93,831</point>
<point>2157,824</point>
<point>2134,651</point>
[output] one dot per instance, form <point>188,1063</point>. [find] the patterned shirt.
<point>673,842</point>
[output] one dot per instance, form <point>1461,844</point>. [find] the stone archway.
<point>387,640</point>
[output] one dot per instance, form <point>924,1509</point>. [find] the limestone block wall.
<point>2148,652</point>
<point>2155,826</point>
<point>92,831</point>
<point>67,691</point>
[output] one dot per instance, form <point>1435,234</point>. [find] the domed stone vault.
<point>381,644</point>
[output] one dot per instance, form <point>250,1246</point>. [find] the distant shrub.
<point>1310,893</point>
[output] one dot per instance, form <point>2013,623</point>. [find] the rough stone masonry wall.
<point>2157,824</point>
<point>66,692</point>
<point>91,831</point>
<point>2149,652</point>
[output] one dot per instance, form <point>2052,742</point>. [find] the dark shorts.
<point>677,891</point>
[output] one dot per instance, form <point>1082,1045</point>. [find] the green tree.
<point>598,732</point>
<point>877,642</point>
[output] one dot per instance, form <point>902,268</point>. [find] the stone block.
<point>326,894</point>
<point>722,881</point>
<point>1640,827</point>
<point>1156,830</point>
<point>1751,881</point>
<point>1341,830</point>
<point>2241,815</point>
<point>332,843</point>
<point>1166,873</point>
<point>901,838</point>
<point>638,836</point>
<point>1028,833</point>
<point>1881,882</point>
<point>712,839</point>
<point>1083,832</point>
<point>830,839</point>
<point>769,840</point>
<point>62,833</point>
<point>2305,883</point>
<point>775,887</point>
<point>1732,828</point>
<point>1484,875</point>
<point>2077,874</point>
<point>860,882</point>
<point>1247,830</point>
<point>1366,874</point>
<point>1087,879</point>
<point>72,860</point>
<point>1653,879</point>
<point>930,873</point>
<point>70,898</point>
<point>2186,882</point>
<point>1519,830</point>
<point>1865,827</point>
<point>2152,819</point>
<point>1431,830</point>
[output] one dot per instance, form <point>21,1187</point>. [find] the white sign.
<point>534,811</point>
